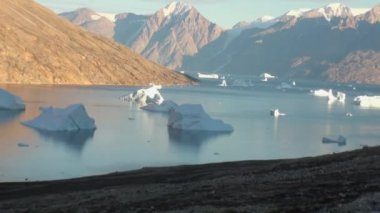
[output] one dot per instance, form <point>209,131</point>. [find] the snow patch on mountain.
<point>334,10</point>
<point>109,16</point>
<point>297,13</point>
<point>176,8</point>
<point>95,17</point>
<point>359,11</point>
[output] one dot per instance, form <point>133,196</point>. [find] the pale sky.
<point>225,13</point>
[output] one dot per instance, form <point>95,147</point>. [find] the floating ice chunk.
<point>146,96</point>
<point>341,141</point>
<point>276,113</point>
<point>208,76</point>
<point>72,118</point>
<point>165,106</point>
<point>223,83</point>
<point>192,117</point>
<point>349,114</point>
<point>367,101</point>
<point>266,76</point>
<point>322,93</point>
<point>341,97</point>
<point>9,101</point>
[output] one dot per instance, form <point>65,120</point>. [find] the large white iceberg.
<point>192,117</point>
<point>165,106</point>
<point>9,101</point>
<point>72,118</point>
<point>367,101</point>
<point>146,95</point>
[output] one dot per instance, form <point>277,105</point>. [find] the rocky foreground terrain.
<point>345,182</point>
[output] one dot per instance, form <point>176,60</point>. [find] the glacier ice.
<point>9,101</point>
<point>70,119</point>
<point>192,117</point>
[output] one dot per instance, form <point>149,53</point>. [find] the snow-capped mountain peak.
<point>265,19</point>
<point>297,13</point>
<point>335,10</point>
<point>176,8</point>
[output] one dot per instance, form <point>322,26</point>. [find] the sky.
<point>225,13</point>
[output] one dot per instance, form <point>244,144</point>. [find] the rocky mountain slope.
<point>91,21</point>
<point>39,47</point>
<point>317,43</point>
<point>164,37</point>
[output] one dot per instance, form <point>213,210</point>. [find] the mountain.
<point>325,43</point>
<point>39,47</point>
<point>167,35</point>
<point>92,21</point>
<point>372,16</point>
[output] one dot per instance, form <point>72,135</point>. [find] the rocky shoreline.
<point>344,182</point>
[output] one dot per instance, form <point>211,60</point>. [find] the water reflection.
<point>193,139</point>
<point>6,115</point>
<point>75,141</point>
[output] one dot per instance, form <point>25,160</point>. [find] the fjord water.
<point>129,138</point>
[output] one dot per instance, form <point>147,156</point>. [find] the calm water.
<point>129,138</point>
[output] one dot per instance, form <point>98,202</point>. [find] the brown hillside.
<point>38,47</point>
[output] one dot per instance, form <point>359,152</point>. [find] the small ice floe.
<point>70,119</point>
<point>367,101</point>
<point>348,114</point>
<point>266,76</point>
<point>145,96</point>
<point>23,145</point>
<point>294,83</point>
<point>192,117</point>
<point>276,113</point>
<point>341,141</point>
<point>223,83</point>
<point>165,106</point>
<point>9,101</point>
<point>322,93</point>
<point>208,76</point>
<point>340,97</point>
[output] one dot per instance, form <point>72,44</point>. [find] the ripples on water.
<point>129,138</point>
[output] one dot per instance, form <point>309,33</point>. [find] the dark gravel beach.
<point>344,182</point>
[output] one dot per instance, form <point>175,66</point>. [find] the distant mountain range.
<point>333,42</point>
<point>165,37</point>
<point>39,47</point>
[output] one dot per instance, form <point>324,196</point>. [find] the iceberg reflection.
<point>73,140</point>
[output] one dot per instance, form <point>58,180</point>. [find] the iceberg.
<point>208,76</point>
<point>192,117</point>
<point>9,101</point>
<point>322,93</point>
<point>70,119</point>
<point>367,101</point>
<point>146,96</point>
<point>165,106</point>
<point>223,83</point>
<point>341,97</point>
<point>266,76</point>
<point>276,113</point>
